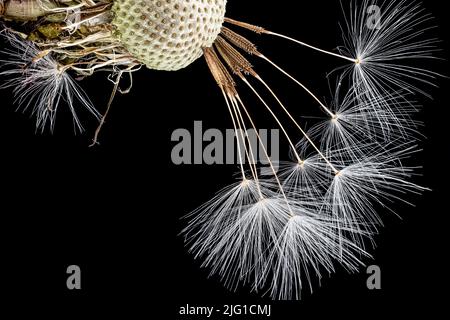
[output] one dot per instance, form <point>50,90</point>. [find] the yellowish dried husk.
<point>168,34</point>
<point>24,10</point>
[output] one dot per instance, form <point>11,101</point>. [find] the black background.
<point>115,210</point>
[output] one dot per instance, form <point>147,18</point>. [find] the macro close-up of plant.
<point>314,213</point>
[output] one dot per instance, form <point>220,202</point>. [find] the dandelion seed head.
<point>276,234</point>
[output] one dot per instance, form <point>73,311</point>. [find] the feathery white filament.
<point>390,55</point>
<point>307,242</point>
<point>40,83</point>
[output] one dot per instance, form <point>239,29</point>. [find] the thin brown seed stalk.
<point>260,30</point>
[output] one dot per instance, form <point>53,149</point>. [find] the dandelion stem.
<point>248,150</point>
<point>327,110</point>
<point>260,30</point>
<point>252,165</point>
<point>311,47</point>
<point>299,127</point>
<point>266,154</point>
<point>108,108</point>
<point>237,135</point>
<point>275,117</point>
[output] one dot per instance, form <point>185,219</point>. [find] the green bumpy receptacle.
<point>168,34</point>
